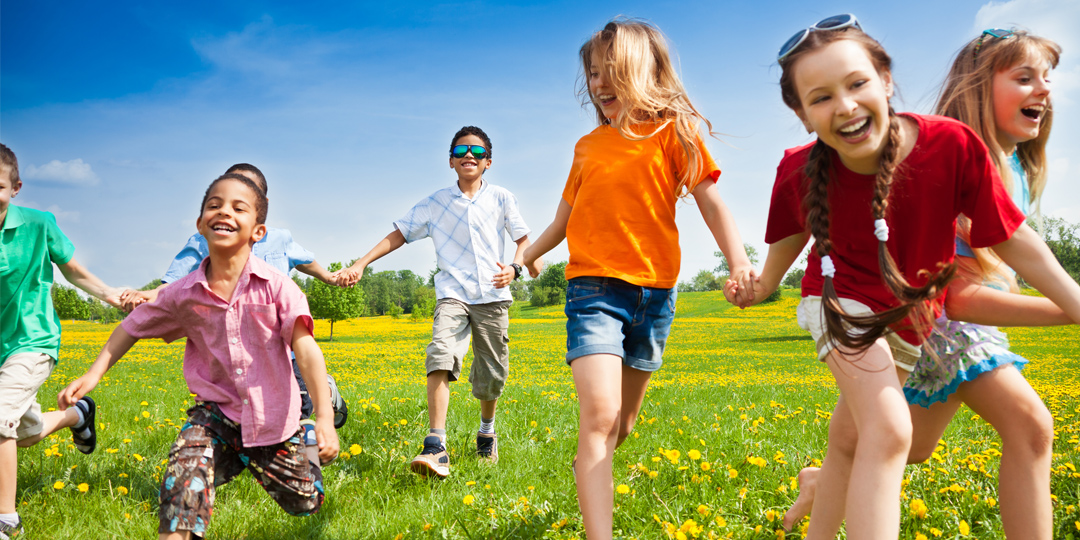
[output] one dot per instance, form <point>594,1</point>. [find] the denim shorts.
<point>610,316</point>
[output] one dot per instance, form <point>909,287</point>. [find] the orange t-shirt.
<point>622,192</point>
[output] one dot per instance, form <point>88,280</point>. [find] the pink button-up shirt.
<point>237,352</point>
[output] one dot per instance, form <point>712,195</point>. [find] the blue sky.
<point>122,113</point>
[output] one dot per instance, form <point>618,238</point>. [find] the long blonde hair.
<point>639,66</point>
<point>967,95</point>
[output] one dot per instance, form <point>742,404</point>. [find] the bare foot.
<point>805,501</point>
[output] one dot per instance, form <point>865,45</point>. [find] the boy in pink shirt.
<point>241,319</point>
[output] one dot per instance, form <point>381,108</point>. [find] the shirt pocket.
<point>259,323</point>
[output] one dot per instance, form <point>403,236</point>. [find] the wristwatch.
<point>517,270</point>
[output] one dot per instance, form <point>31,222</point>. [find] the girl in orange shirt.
<point>617,214</point>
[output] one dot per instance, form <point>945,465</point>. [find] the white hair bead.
<point>827,267</point>
<point>881,230</point>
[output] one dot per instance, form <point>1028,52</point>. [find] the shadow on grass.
<point>777,339</point>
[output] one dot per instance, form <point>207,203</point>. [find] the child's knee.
<point>1035,435</point>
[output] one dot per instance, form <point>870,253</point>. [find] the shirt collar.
<point>251,267</point>
<point>457,189</point>
<point>14,217</point>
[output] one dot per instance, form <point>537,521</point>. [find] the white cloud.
<point>69,173</point>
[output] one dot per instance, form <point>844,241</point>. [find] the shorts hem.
<point>923,399</point>
<point>585,350</point>
<point>641,364</point>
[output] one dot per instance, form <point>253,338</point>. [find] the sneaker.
<point>308,426</point>
<point>341,409</point>
<point>86,444</point>
<point>10,531</point>
<point>487,447</point>
<point>433,460</point>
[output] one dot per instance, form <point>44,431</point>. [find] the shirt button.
<point>234,340</point>
<point>245,402</point>
<point>239,371</point>
<point>230,310</point>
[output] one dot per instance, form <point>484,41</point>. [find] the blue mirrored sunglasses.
<point>999,33</point>
<point>477,151</point>
<point>836,22</point>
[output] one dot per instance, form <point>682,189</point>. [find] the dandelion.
<point>470,483</point>
<point>58,485</point>
<point>428,526</point>
<point>122,490</point>
<point>703,510</point>
<point>144,404</point>
<point>721,522</point>
<point>146,414</point>
<point>355,449</point>
<point>732,473</point>
<point>623,489</point>
<point>935,532</point>
<point>694,454</point>
<point>84,487</point>
<point>918,508</point>
<point>468,500</point>
<point>921,536</point>
<point>137,457</point>
<point>705,465</point>
<point>403,422</point>
<point>964,528</point>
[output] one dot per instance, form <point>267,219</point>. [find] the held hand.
<point>328,439</point>
<point>112,297</point>
<point>731,288</point>
<point>75,391</point>
<point>503,277</point>
<point>746,278</point>
<point>131,299</point>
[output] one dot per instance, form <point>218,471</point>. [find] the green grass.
<point>736,386</point>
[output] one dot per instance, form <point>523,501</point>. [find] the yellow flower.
<point>144,404</point>
<point>918,508</point>
<point>146,414</point>
<point>770,515</point>
<point>921,536</point>
<point>991,502</point>
<point>137,457</point>
<point>732,473</point>
<point>705,465</point>
<point>623,489</point>
<point>964,528</point>
<point>122,490</point>
<point>111,450</point>
<point>403,422</point>
<point>84,487</point>
<point>428,526</point>
<point>355,449</point>
<point>653,474</point>
<point>935,532</point>
<point>468,500</point>
<point>58,485</point>
<point>694,454</point>
<point>703,510</point>
<point>470,483</point>
<point>721,522</point>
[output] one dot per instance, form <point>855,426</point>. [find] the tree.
<point>703,281</point>
<point>794,278</point>
<point>723,270</point>
<point>423,304</point>
<point>68,303</point>
<point>335,303</point>
<point>549,288</point>
<point>1063,239</point>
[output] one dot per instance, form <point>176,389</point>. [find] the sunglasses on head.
<point>836,22</point>
<point>999,33</point>
<point>477,151</point>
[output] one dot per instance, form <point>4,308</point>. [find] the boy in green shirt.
<point>30,242</point>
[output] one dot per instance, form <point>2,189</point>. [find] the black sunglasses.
<point>477,151</point>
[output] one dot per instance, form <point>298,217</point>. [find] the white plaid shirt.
<point>469,240</point>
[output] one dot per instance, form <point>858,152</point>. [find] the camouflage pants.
<point>209,452</point>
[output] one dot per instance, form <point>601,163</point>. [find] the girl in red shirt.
<point>880,193</point>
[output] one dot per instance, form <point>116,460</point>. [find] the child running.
<point>872,276</point>
<point>617,214</point>
<point>280,251</point>
<point>1008,70</point>
<point>241,317</point>
<point>30,243</point>
<point>466,222</point>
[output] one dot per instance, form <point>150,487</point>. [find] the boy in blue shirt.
<point>278,249</point>
<point>30,243</point>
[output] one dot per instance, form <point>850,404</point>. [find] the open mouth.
<point>855,129</point>
<point>605,100</point>
<point>223,228</point>
<point>1033,112</point>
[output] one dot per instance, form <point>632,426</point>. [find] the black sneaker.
<point>433,460</point>
<point>341,409</point>
<point>11,531</point>
<point>487,447</point>
<point>86,444</point>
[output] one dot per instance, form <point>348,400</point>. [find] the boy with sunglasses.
<point>466,221</point>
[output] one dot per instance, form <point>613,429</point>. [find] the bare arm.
<point>975,303</point>
<point>316,270</point>
<point>782,255</point>
<point>726,233</point>
<point>552,236</point>
<point>352,274</point>
<point>309,359</point>
<point>118,344</point>
<point>506,272</point>
<point>79,276</point>
<point>1026,253</point>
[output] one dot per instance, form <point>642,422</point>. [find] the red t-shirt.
<point>948,172</point>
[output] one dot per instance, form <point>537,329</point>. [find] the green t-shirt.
<point>30,242</point>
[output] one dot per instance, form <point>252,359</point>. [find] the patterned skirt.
<point>965,351</point>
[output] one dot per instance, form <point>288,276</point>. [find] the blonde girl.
<point>617,214</point>
<point>999,86</point>
<point>880,193</point>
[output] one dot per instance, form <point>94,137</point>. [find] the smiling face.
<point>8,189</point>
<point>229,217</point>
<point>1021,97</point>
<point>600,88</point>
<point>845,101</point>
<point>468,168</point>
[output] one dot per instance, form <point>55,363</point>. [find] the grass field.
<point>738,408</point>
